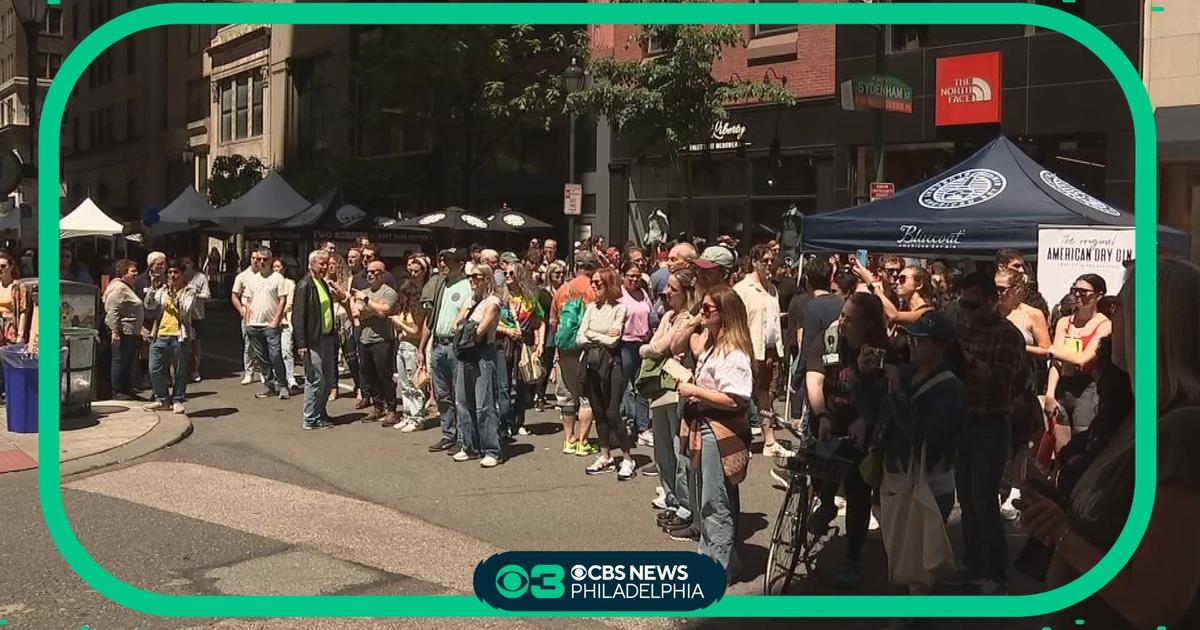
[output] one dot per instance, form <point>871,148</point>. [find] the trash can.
<point>78,370</point>
<point>20,383</point>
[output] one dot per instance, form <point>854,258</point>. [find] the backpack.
<point>569,319</point>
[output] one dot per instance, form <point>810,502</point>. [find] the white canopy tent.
<point>88,220</point>
<point>184,213</point>
<point>269,201</point>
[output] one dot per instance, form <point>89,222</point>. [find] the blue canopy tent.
<point>994,199</point>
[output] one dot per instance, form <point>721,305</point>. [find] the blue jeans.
<point>247,351</point>
<point>320,377</point>
<point>268,355</point>
<point>288,353</point>
<point>672,469</point>
<point>168,353</point>
<point>983,452</point>
<point>505,380</point>
<point>412,399</point>
<point>475,393</point>
<point>717,505</point>
<point>442,372</point>
<point>124,353</point>
<point>633,405</point>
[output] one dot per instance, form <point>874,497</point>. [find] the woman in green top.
<point>1160,583</point>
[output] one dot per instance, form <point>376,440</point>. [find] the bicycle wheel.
<point>786,540</point>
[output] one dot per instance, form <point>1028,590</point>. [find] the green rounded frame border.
<point>153,603</point>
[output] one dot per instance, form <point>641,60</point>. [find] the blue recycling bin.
<point>20,386</point>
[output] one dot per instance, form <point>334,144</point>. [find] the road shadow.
<point>84,421</point>
<point>220,412</point>
<point>347,418</point>
<point>544,428</point>
<point>512,451</point>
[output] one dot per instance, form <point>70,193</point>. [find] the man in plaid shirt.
<point>997,370</point>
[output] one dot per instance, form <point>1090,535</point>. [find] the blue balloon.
<point>150,216</point>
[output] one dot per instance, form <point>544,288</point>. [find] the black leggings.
<point>548,354</point>
<point>604,385</point>
<point>858,502</point>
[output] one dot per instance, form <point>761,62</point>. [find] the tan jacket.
<point>762,311</point>
<point>123,309</point>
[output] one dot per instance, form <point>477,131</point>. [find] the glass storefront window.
<point>787,175</point>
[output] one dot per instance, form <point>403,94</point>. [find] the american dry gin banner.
<point>1065,253</point>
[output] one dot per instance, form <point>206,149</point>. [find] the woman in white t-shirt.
<point>716,429</point>
<point>476,381</point>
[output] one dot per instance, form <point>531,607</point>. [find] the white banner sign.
<point>1066,253</point>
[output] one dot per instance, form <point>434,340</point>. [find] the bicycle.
<point>793,545</point>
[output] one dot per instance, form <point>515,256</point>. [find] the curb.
<point>170,430</point>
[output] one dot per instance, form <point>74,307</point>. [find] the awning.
<point>1178,132</point>
<point>188,211</point>
<point>88,220</point>
<point>268,201</point>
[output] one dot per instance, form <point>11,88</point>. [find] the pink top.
<point>637,319</point>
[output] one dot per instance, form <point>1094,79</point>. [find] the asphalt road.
<point>250,504</point>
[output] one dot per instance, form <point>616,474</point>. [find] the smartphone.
<point>862,257</point>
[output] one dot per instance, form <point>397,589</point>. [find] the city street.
<point>250,504</point>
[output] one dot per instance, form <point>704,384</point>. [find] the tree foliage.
<point>672,96</point>
<point>466,86</point>
<point>232,176</point>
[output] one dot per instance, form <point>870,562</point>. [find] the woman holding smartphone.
<point>1073,353</point>
<point>1160,584</point>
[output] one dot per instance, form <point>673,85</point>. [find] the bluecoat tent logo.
<point>599,581</point>
<point>1074,194</point>
<point>960,190</point>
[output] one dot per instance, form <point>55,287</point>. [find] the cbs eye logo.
<point>544,581</point>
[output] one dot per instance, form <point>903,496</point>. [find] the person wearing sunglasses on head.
<point>171,332</point>
<point>1073,354</point>
<point>477,374</point>
<point>604,381</point>
<point>997,370</point>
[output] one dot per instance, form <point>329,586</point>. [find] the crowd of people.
<point>959,369</point>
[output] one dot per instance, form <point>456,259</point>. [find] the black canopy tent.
<point>332,218</point>
<point>995,199</point>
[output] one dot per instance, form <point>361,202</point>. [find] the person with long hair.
<point>124,313</point>
<point>638,304</point>
<point>1073,355</point>
<point>418,269</point>
<point>408,320</point>
<point>477,374</point>
<point>285,325</point>
<point>681,296</point>
<point>528,336</point>
<point>604,381</point>
<point>199,281</point>
<point>338,280</point>
<point>555,273</point>
<point>715,432</point>
<point>913,289</point>
<point>842,370</point>
<point>1160,585</point>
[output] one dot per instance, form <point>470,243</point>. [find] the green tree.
<point>232,176</point>
<point>468,87</point>
<point>671,100</point>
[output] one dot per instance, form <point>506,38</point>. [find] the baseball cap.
<point>460,255</point>
<point>586,259</point>
<point>713,257</point>
<point>935,324</point>
<point>509,258</point>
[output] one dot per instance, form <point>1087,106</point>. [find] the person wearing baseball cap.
<point>450,294</point>
<point>714,265</point>
<point>925,404</point>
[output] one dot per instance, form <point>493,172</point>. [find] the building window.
<point>202,173</point>
<point>772,29</point>
<point>48,65</point>
<point>313,81</point>
<point>197,100</point>
<point>54,21</point>
<point>131,130</point>
<point>75,23</point>
<point>242,106</point>
<point>3,69</point>
<point>655,46</point>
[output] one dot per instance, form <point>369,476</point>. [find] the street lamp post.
<point>573,82</point>
<point>32,14</point>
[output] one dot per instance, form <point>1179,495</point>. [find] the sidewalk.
<point>109,426</point>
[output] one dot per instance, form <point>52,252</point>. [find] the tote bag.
<point>914,535</point>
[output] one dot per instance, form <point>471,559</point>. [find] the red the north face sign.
<point>968,89</point>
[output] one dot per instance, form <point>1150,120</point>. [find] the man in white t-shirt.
<point>239,284</point>
<point>261,299</point>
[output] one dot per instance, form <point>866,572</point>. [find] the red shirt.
<point>579,286</point>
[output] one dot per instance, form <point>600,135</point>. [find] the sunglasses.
<point>1002,290</point>
<point>374,272</point>
<point>905,278</point>
<point>708,309</point>
<point>476,276</point>
<point>1081,292</point>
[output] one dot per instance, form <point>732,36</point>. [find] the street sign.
<point>882,190</point>
<point>10,172</point>
<point>573,199</point>
<point>877,92</point>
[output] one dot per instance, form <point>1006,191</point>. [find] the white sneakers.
<point>461,456</point>
<point>154,406</point>
<point>489,462</point>
<point>178,408</point>
<point>659,501</point>
<point>626,471</point>
<point>776,450</point>
<point>248,377</point>
<point>646,438</point>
